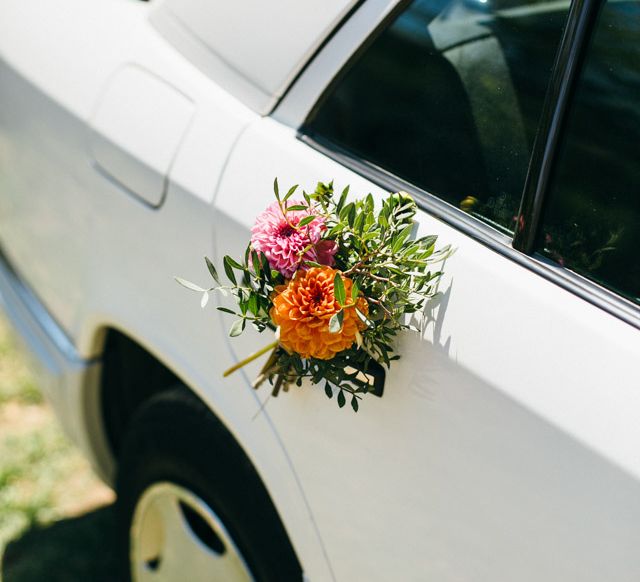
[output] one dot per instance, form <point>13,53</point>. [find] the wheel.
<point>190,504</point>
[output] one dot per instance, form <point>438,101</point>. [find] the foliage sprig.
<point>374,249</point>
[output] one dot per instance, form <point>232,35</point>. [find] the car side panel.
<point>505,445</point>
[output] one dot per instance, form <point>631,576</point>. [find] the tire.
<point>190,504</point>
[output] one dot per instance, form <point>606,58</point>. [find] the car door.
<point>504,446</point>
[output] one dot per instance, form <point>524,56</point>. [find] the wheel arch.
<point>106,415</point>
<point>129,376</point>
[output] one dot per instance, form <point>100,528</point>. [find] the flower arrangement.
<point>335,280</point>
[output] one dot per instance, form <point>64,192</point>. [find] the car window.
<point>592,220</point>
<point>448,98</point>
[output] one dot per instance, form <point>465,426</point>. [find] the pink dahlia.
<point>282,241</point>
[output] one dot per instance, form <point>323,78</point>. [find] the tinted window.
<point>592,220</point>
<point>448,98</point>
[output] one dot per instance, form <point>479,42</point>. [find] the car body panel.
<point>505,445</point>
<point>45,126</point>
<point>492,454</point>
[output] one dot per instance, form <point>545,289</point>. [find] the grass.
<point>16,382</point>
<point>56,520</point>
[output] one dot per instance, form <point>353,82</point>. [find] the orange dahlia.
<point>302,309</point>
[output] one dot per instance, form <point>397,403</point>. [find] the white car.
<point>138,137</point>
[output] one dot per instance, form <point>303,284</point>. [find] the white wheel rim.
<point>165,547</point>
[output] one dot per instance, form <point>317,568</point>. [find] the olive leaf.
<point>189,285</point>
<point>338,290</point>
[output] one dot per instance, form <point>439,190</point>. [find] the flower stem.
<point>250,358</point>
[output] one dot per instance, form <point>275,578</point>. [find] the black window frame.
<point>521,246</point>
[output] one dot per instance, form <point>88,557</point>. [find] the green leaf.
<point>290,193</point>
<point>427,241</point>
<point>351,217</point>
<point>189,284</point>
<point>237,327</point>
<point>385,355</point>
<point>228,269</point>
<point>212,270</point>
<point>266,268</point>
<point>276,190</point>
<point>355,290</point>
<point>338,290</point>
<point>235,264</point>
<point>354,403</point>
<point>253,304</point>
<point>242,304</point>
<point>341,399</point>
<point>342,200</point>
<point>255,265</point>
<point>359,222</point>
<point>306,220</point>
<point>335,323</point>
<point>345,211</point>
<point>405,216</point>
<point>327,390</point>
<point>368,202</point>
<point>324,190</point>
<point>226,310</point>
<point>369,219</point>
<point>297,207</point>
<point>399,239</point>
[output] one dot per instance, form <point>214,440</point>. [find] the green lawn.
<point>56,519</point>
